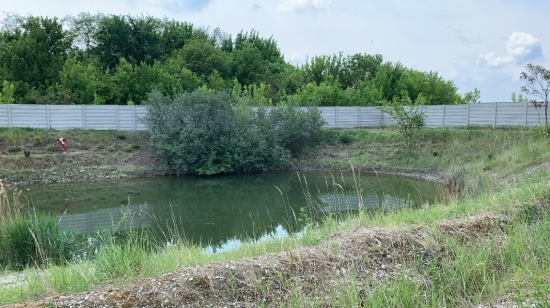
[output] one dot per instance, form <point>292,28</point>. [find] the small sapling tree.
<point>472,97</point>
<point>408,115</point>
<point>537,84</point>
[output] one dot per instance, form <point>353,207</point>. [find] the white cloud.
<point>304,6</point>
<point>520,47</point>
<point>490,60</point>
<point>523,47</point>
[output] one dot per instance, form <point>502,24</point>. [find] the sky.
<point>483,44</point>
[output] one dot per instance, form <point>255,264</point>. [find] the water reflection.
<point>218,212</point>
<point>340,203</point>
<point>121,219</point>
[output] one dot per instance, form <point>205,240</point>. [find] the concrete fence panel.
<point>482,114</point>
<point>511,114</point>
<point>348,117</point>
<point>456,116</point>
<point>140,112</point>
<point>35,116</point>
<point>370,117</point>
<point>535,116</point>
<point>102,117</point>
<point>434,116</point>
<point>329,114</point>
<point>4,116</point>
<point>66,117</point>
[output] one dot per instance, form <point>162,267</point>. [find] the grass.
<point>500,171</point>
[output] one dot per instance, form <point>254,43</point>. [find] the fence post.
<point>134,116</point>
<point>117,121</point>
<point>359,115</point>
<point>468,115</point>
<point>525,113</point>
<point>495,118</point>
<point>443,117</point>
<point>335,116</point>
<point>9,115</point>
<point>83,110</point>
<point>48,119</point>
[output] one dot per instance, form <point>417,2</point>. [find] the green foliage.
<point>82,81</point>
<point>542,131</point>
<point>110,59</point>
<point>204,133</point>
<point>519,98</point>
<point>14,149</point>
<point>33,53</point>
<point>408,116</point>
<point>35,241</point>
<point>7,93</point>
<point>124,257</point>
<point>53,148</point>
<point>203,58</point>
<point>471,97</point>
<point>346,138</point>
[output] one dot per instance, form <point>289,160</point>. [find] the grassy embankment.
<point>500,174</point>
<point>92,155</point>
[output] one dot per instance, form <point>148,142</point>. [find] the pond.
<point>220,211</point>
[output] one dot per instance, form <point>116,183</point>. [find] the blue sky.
<point>483,44</point>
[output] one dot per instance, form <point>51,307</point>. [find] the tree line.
<point>120,59</point>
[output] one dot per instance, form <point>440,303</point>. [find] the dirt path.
<point>370,255</point>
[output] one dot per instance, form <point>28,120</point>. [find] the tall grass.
<point>28,238</point>
<point>10,207</point>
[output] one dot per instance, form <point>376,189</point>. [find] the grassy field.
<point>486,248</point>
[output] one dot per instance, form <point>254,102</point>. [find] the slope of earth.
<point>369,255</point>
<point>91,155</point>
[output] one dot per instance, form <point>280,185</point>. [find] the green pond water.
<point>219,212</point>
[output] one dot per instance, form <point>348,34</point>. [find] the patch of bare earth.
<point>367,255</point>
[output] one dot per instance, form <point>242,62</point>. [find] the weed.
<point>542,131</point>
<point>335,248</point>
<point>37,141</point>
<point>346,138</point>
<point>232,284</point>
<point>14,149</point>
<point>131,147</point>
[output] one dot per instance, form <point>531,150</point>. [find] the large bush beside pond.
<point>205,133</point>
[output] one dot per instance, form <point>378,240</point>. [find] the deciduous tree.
<point>537,84</point>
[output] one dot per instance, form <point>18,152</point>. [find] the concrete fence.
<point>129,118</point>
<point>99,117</point>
